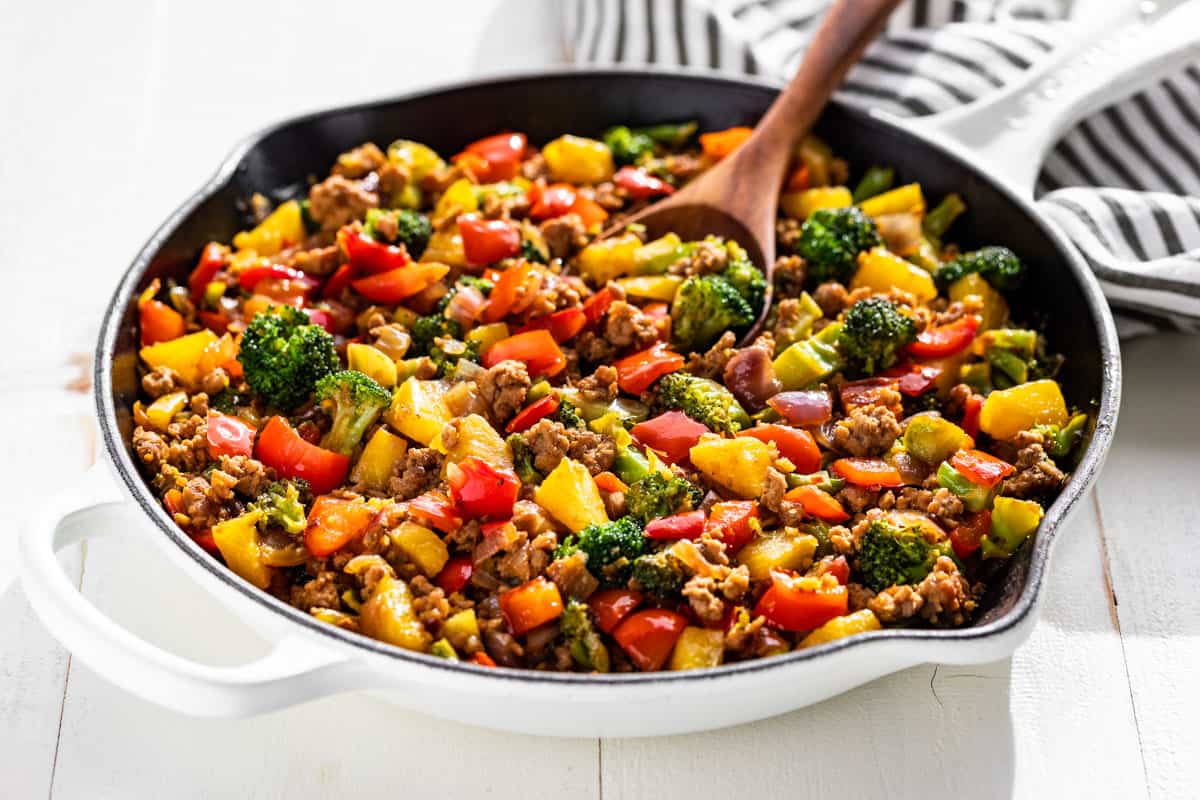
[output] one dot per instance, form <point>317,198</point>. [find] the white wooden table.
<point>111,113</point>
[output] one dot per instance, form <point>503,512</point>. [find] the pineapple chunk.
<point>419,410</point>
<point>571,496</point>
<point>739,465</point>
<point>785,549</point>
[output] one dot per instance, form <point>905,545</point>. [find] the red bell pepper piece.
<point>730,522</point>
<point>648,637</point>
<point>590,212</point>
<point>205,539</point>
<point>636,372</point>
<point>798,181</point>
<point>971,410</point>
<point>499,156</point>
<point>368,255</point>
<point>640,184</point>
<point>818,503</point>
<point>596,306</point>
<point>808,407</point>
<point>229,435</point>
<point>607,482</point>
<point>528,416</point>
<point>435,510</point>
<point>795,444</point>
<point>389,288</point>
<point>673,434</point>
<point>212,260</point>
<point>280,447</point>
<point>870,472</point>
<point>867,392</point>
<point>338,281</point>
<point>551,201</point>
<point>455,575</point>
<point>530,605</point>
<point>919,381</point>
<point>562,324</point>
<point>213,320</point>
<point>482,490</point>
<point>981,468</point>
<point>788,606</point>
<point>513,283</point>
<point>486,241</point>
<point>613,605</point>
<point>333,523</point>
<point>945,340</point>
<point>482,659</point>
<point>689,525</point>
<point>248,279</point>
<point>159,322</point>
<point>320,317</point>
<point>968,536</point>
<point>839,568</point>
<point>537,349</point>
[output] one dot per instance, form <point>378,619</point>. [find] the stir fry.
<point>426,402</point>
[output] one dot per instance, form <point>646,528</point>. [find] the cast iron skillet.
<point>1060,294</point>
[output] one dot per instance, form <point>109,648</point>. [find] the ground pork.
<point>831,297</point>
<point>497,206</point>
<point>706,258</point>
<point>251,476</point>
<point>712,363</point>
<point>1037,474</point>
<point>842,539</point>
<point>600,386</point>
<point>789,276</point>
<point>205,505</point>
<point>429,603</point>
<point>896,604</point>
<point>534,167</point>
<point>858,596</point>
<point>774,490</point>
<point>571,576</point>
<point>956,403</point>
<point>609,196</point>
<point>504,388</point>
<point>701,594</point>
<point>948,599</point>
<point>564,235</point>
<point>945,506</point>
<point>320,592</point>
<point>866,431</point>
<point>971,304</point>
<point>336,201</point>
<point>358,162</point>
<point>857,499</point>
<point>551,294</point>
<point>184,445</point>
<point>550,441</point>
<point>160,381</point>
<point>684,166</point>
<point>214,381</point>
<point>593,349</point>
<point>787,234</point>
<point>420,470</point>
<point>627,326</point>
<point>752,639</point>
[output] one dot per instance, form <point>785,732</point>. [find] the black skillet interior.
<point>279,162</point>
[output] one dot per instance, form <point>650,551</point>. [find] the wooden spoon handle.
<point>848,27</point>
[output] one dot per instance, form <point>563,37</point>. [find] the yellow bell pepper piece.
<point>460,628</point>
<point>181,354</point>
<point>652,287</point>
<point>379,458</point>
<point>902,199</point>
<point>697,648</point>
<point>423,547</point>
<point>163,410</point>
<point>388,615</point>
<point>237,540</point>
<point>575,159</point>
<point>571,496</point>
<point>419,410</point>
<point>372,362</point>
<point>739,465</point>
<point>417,159</point>
<point>841,627</point>
<point>995,308</point>
<point>284,227</point>
<point>445,247</point>
<point>784,549</point>
<point>1007,412</point>
<point>881,270</point>
<point>488,335</point>
<point>476,437</point>
<point>801,205</point>
<point>609,258</point>
<point>459,198</point>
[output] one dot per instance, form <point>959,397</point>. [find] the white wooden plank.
<point>1150,511</point>
<point>997,730</point>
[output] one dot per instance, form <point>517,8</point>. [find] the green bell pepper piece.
<point>654,258</point>
<point>934,439</point>
<point>809,360</point>
<point>974,497</point>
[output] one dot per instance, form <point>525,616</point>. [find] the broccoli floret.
<point>999,266</point>
<point>584,642</point>
<point>446,353</point>
<point>889,555</point>
<point>745,277</point>
<point>357,402</point>
<point>830,241</point>
<point>872,334</point>
<point>628,145</point>
<point>568,414</point>
<point>523,460</point>
<point>660,574</point>
<point>610,548</point>
<point>704,308</point>
<point>412,229</point>
<point>228,401</point>
<point>482,284</point>
<point>657,496</point>
<point>284,355</point>
<point>428,328</point>
<point>282,505</point>
<point>703,400</point>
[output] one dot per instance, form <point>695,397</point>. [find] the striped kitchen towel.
<point>1123,184</point>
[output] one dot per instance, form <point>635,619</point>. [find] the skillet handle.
<point>1116,48</point>
<point>293,672</point>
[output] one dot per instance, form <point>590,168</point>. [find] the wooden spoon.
<point>738,198</point>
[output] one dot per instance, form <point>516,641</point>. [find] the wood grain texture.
<point>112,134</point>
